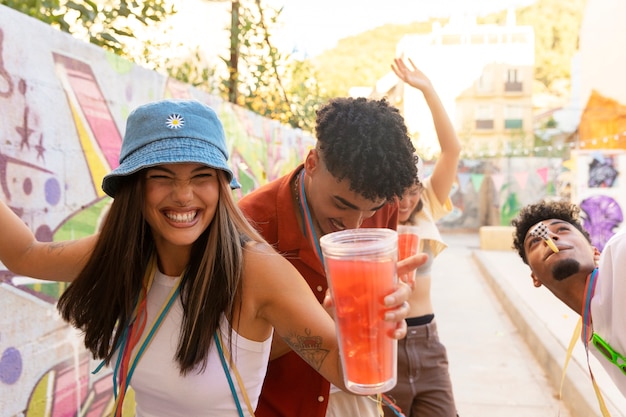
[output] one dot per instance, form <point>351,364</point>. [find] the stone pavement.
<point>507,340</point>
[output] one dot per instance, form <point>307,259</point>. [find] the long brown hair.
<point>418,207</point>
<point>101,300</point>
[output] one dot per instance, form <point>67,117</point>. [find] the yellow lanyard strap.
<point>570,349</point>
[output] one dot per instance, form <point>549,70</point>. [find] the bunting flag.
<point>543,174</point>
<point>521,178</point>
<point>569,164</point>
<point>498,180</point>
<point>477,180</point>
<point>464,179</point>
<point>617,141</point>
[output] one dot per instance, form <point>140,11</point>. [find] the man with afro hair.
<point>590,283</point>
<point>361,164</point>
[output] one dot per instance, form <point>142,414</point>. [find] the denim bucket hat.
<point>169,132</point>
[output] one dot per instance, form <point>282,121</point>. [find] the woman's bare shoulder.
<point>262,254</point>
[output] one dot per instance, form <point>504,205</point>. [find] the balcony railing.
<point>513,123</point>
<point>513,87</point>
<point>484,124</point>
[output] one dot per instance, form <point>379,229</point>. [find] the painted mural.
<point>63,104</point>
<point>601,192</point>
<point>490,192</point>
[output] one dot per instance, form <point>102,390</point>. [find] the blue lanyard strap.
<point>309,230</point>
<point>591,283</point>
<point>586,324</point>
<point>227,372</point>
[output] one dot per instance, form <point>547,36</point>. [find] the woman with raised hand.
<point>424,388</point>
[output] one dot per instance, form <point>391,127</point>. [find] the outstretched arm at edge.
<point>22,254</point>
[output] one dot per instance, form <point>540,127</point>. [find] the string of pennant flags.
<point>611,142</point>
<point>599,141</point>
<point>521,178</point>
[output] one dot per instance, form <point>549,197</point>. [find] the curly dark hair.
<point>366,142</point>
<point>544,210</point>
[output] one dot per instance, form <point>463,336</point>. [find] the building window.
<point>513,117</point>
<point>512,75</point>
<point>484,117</point>
<point>513,82</point>
<point>451,39</point>
<point>485,82</point>
<point>520,38</point>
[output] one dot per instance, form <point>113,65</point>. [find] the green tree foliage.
<point>307,95</point>
<point>269,82</point>
<point>556,24</point>
<point>363,59</point>
<point>109,24</point>
<point>192,70</point>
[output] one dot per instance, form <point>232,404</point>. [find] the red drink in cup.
<point>408,244</point>
<point>361,270</point>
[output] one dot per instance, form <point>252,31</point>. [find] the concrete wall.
<point>63,106</point>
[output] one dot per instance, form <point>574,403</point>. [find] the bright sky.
<point>311,26</point>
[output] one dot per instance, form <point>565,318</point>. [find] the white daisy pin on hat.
<point>175,121</point>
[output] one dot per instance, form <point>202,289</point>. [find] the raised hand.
<point>411,75</point>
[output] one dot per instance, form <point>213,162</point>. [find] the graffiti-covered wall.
<point>491,192</point>
<point>600,191</point>
<point>63,104</point>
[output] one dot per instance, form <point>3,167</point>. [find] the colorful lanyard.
<point>122,373</point>
<point>309,230</point>
<point>586,316</point>
<point>586,325</point>
<point>225,359</point>
<point>125,366</point>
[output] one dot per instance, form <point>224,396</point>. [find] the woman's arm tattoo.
<point>308,347</point>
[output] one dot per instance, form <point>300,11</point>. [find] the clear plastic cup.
<point>408,245</point>
<point>361,270</point>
